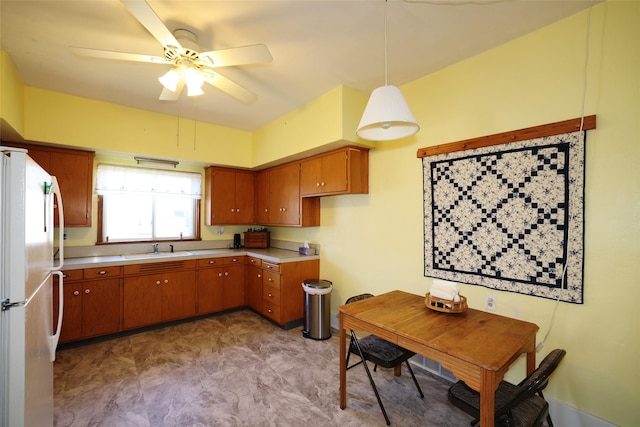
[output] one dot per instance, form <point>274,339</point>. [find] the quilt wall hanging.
<point>507,211</point>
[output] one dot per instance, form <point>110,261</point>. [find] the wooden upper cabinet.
<point>74,171</point>
<point>229,196</point>
<point>284,203</point>
<point>342,171</point>
<point>263,197</point>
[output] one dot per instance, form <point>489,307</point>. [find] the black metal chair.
<point>380,352</point>
<point>521,405</point>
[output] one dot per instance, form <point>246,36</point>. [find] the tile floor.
<point>234,369</point>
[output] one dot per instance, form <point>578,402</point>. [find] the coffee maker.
<point>236,241</point>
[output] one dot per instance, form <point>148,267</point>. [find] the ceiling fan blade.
<point>141,10</point>
<point>122,56</point>
<point>253,54</point>
<point>169,95</point>
<point>229,87</point>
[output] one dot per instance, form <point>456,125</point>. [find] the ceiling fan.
<point>191,67</point>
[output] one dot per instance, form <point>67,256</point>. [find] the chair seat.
<point>383,353</point>
<point>529,413</point>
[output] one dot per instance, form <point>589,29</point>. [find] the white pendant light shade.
<point>194,80</point>
<point>387,116</point>
<point>170,80</point>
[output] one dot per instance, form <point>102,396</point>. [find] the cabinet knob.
<point>317,184</point>
<point>226,273</point>
<point>234,260</point>
<point>219,274</point>
<point>87,291</point>
<point>64,276</point>
<point>270,279</point>
<point>166,280</point>
<point>76,293</point>
<point>259,276</point>
<point>233,210</point>
<point>284,209</point>
<point>266,210</point>
<point>212,262</point>
<point>322,184</point>
<point>157,282</point>
<point>270,295</point>
<point>102,272</point>
<point>270,311</point>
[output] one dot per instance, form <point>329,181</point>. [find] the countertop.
<point>274,255</point>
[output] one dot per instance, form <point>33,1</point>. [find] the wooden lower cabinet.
<point>158,297</point>
<point>102,301</point>
<point>282,293</point>
<point>254,283</point>
<point>220,284</point>
<point>91,307</point>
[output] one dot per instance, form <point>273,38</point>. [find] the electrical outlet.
<point>490,302</point>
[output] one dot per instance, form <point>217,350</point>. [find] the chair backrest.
<point>358,298</point>
<point>535,382</point>
<point>539,378</point>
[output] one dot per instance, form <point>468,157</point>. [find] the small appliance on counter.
<point>258,238</point>
<point>236,241</point>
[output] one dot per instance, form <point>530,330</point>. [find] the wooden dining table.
<point>476,346</point>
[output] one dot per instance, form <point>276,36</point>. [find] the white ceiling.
<point>316,46</point>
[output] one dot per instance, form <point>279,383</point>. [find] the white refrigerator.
<point>27,340</point>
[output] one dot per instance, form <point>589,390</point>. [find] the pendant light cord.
<point>385,42</point>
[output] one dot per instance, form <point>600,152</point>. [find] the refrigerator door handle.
<point>55,189</point>
<point>53,339</point>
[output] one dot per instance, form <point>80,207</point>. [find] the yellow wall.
<point>11,95</point>
<point>329,118</point>
<point>80,122</point>
<point>374,242</point>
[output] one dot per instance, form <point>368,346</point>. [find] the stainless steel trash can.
<point>317,309</point>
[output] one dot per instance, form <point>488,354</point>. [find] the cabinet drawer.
<point>210,262</point>
<point>270,266</point>
<point>271,295</point>
<point>254,261</point>
<point>100,272</point>
<point>272,311</point>
<point>71,275</point>
<point>269,278</point>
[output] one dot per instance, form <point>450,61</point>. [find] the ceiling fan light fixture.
<point>387,116</point>
<point>194,81</point>
<point>170,80</point>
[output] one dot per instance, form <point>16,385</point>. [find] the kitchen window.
<point>138,204</point>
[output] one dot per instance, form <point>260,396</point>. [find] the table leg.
<point>343,366</point>
<point>487,398</point>
<point>531,362</point>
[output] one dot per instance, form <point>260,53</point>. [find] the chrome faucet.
<point>155,248</point>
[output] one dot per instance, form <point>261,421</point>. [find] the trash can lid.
<point>317,283</point>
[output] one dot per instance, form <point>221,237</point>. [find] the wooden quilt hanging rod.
<point>550,129</point>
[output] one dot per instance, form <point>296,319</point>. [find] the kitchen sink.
<point>152,255</point>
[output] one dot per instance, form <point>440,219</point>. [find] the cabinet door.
<point>233,288</point>
<point>72,314</point>
<point>100,307</point>
<point>178,295</point>
<point>262,204</point>
<point>334,173</point>
<point>244,193</point>
<point>222,193</point>
<point>254,288</point>
<point>310,176</point>
<point>142,301</point>
<point>210,290</point>
<point>285,195</point>
<point>74,173</point>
